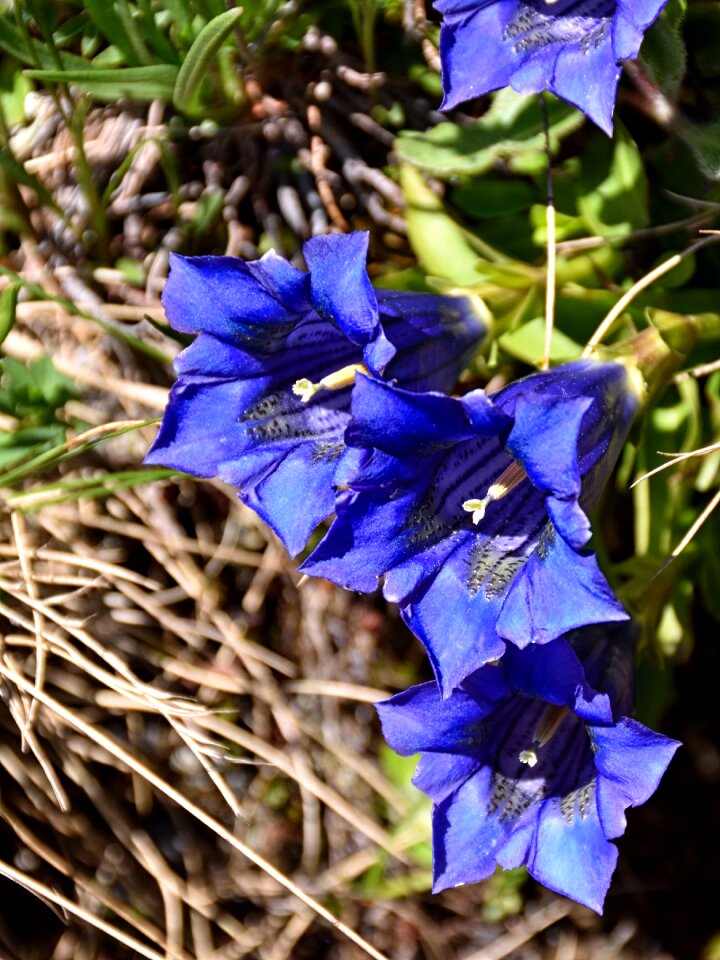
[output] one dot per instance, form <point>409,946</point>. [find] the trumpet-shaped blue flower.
<point>474,509</point>
<point>250,405</point>
<point>573,48</point>
<point>532,762</point>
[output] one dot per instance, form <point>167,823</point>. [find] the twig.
<point>637,288</point>
<point>117,751</point>
<point>551,246</point>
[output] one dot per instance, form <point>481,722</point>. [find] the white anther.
<point>305,389</point>
<point>477,508</point>
<point>529,757</point>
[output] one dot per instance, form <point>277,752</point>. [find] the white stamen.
<point>305,389</point>
<point>477,508</point>
<point>546,729</point>
<point>507,481</point>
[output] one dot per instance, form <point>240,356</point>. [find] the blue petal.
<point>407,424</point>
<point>289,286</point>
<point>466,841</point>
<point>630,761</point>
<point>208,358</point>
<point>340,287</point>
<point>419,720</point>
<point>200,427</point>
<point>474,58</point>
<point>588,79</point>
<point>531,613</point>
<point>294,494</point>
<point>367,537</point>
<point>571,855</point>
<point>632,18</point>
<point>433,337</point>
<point>551,672</point>
<point>607,652</point>
<point>456,627</point>
<point>545,438</point>
<point>440,774</point>
<point>225,297</point>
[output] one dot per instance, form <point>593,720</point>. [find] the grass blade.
<point>199,57</point>
<point>154,82</point>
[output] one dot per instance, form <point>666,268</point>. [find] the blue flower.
<point>573,48</point>
<point>474,509</point>
<point>256,403</point>
<point>532,762</point>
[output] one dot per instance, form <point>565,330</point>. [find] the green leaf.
<point>704,141</point>
<point>14,88</point>
<point>154,82</point>
<point>61,452</point>
<point>527,343</point>
<point>194,69</point>
<point>614,191</point>
<point>114,22</point>
<point>512,130</point>
<point>100,485</point>
<point>440,244</point>
<point>21,176</point>
<point>494,197</point>
<point>663,52</point>
<point>32,51</point>
<point>43,14</point>
<point>8,303</point>
<point>157,40</point>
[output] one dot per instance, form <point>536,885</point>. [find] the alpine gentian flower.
<point>474,508</point>
<point>244,407</point>
<point>573,48</point>
<point>528,763</point>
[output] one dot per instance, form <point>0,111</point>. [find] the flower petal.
<point>200,428</point>
<point>225,297</point>
<point>531,613</point>
<point>466,840</point>
<point>457,627</point>
<point>475,59</point>
<point>418,720</point>
<point>294,493</point>
<point>407,424</point>
<point>632,19</point>
<point>588,78</point>
<point>340,288</point>
<point>571,855</point>
<point>550,672</point>
<point>438,775</point>
<point>630,760</point>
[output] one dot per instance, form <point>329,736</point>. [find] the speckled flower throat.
<point>537,25</point>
